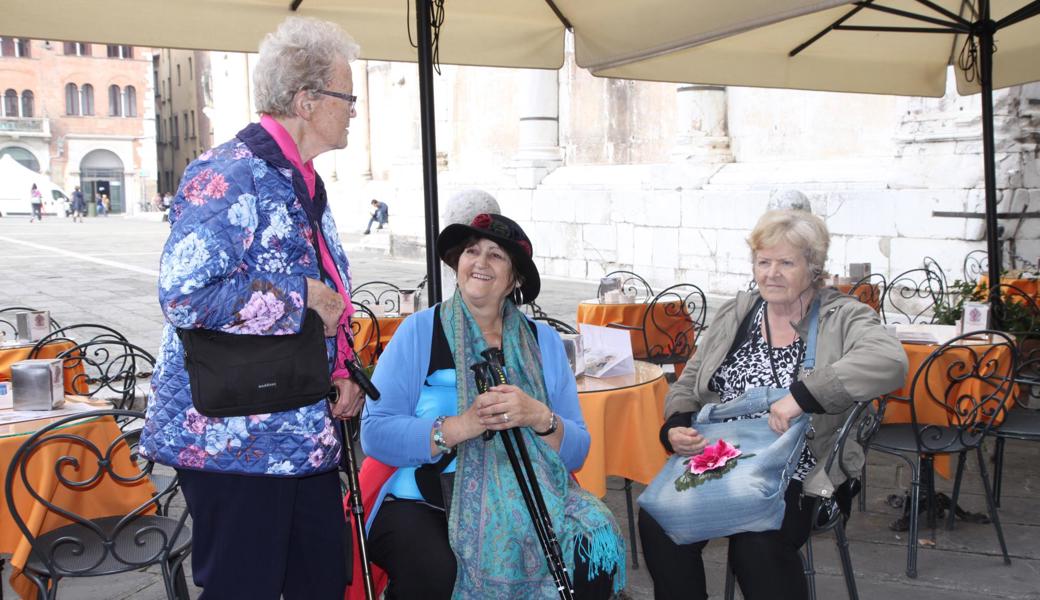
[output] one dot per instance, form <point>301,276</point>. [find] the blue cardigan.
<point>392,434</point>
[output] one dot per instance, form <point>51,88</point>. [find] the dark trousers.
<point>375,219</point>
<point>37,211</point>
<point>766,563</point>
<point>409,540</point>
<point>260,538</point>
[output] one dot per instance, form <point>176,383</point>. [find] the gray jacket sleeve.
<point>872,360</point>
<point>684,395</point>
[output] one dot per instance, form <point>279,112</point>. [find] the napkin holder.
<point>6,397</point>
<point>858,271</point>
<point>609,291</point>
<point>33,325</point>
<point>407,301</point>
<point>575,351</point>
<point>38,384</point>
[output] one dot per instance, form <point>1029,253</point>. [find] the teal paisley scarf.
<point>490,530</point>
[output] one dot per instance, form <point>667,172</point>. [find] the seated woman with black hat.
<point>430,422</point>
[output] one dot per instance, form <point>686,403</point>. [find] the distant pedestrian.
<point>167,200</point>
<point>36,201</point>
<point>79,206</point>
<point>380,214</point>
<point>104,205</point>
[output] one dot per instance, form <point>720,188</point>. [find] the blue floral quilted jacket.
<point>236,261</point>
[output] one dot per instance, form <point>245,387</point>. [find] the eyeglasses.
<point>351,98</point>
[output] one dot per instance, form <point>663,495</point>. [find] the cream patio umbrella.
<point>901,47</point>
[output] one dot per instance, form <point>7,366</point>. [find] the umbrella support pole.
<point>984,35</point>
<point>429,147</point>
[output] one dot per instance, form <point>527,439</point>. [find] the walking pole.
<point>489,374</point>
<point>348,464</point>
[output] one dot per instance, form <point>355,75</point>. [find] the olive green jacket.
<point>856,359</point>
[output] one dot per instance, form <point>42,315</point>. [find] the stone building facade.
<point>668,179</point>
<point>84,116</point>
<point>183,130</point>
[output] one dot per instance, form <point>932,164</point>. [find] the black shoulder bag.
<point>233,375</point>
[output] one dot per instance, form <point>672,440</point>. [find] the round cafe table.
<point>367,349</point>
<point>624,416</point>
<point>104,498</point>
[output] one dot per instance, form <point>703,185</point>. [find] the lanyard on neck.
<point>807,359</point>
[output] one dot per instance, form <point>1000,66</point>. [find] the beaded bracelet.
<point>438,435</point>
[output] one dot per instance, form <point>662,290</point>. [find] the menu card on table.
<point>608,351</point>
<point>70,408</point>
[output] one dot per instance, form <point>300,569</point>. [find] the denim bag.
<point>748,496</point>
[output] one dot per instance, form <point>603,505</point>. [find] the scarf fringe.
<point>603,549</point>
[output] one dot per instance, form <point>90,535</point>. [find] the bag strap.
<point>758,399</point>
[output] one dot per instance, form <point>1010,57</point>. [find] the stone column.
<point>539,134</point>
<point>702,132</point>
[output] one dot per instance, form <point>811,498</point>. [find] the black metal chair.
<point>92,547</point>
<point>556,324</point>
<point>870,290</point>
<point>671,323</point>
<point>988,370</point>
<point>107,368</point>
<point>828,515</point>
<point>911,296</point>
<point>366,344</point>
<point>976,264</point>
<point>933,265</point>
<point>378,294</point>
<point>633,284</point>
<point>1020,423</point>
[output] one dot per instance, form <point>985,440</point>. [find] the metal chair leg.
<point>992,505</point>
<point>631,523</point>
<point>915,500</point>
<point>998,470</point>
<point>956,490</point>
<point>846,560</point>
<point>808,568</point>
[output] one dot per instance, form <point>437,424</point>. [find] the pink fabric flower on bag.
<point>714,456</point>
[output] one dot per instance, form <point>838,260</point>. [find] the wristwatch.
<point>553,422</point>
<point>438,435</point>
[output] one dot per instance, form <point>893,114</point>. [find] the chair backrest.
<point>7,320</point>
<point>672,321</point>
<point>1017,313</point>
<point>79,333</point>
<point>870,290</point>
<point>969,383</point>
<point>534,310</point>
<point>933,265</point>
<point>378,294</point>
<point>556,324</point>
<point>367,343</point>
<point>107,368</point>
<point>976,264</point>
<point>912,296</point>
<point>633,283</point>
<point>79,468</point>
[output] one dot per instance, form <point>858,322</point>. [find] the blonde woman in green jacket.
<point>756,340</point>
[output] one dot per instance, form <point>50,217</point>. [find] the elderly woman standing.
<point>430,421</point>
<point>756,340</point>
<point>252,248</point>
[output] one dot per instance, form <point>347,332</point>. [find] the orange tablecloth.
<point>107,497</point>
<point>363,329</point>
<point>624,417</point>
<point>667,316</point>
<point>9,356</point>
<point>870,296</point>
<point>1030,287</point>
<point>928,411</point>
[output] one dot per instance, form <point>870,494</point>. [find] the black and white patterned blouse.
<point>748,367</point>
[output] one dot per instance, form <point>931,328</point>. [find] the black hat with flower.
<point>507,234</point>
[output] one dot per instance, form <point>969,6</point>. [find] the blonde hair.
<point>299,55</point>
<point>799,228</point>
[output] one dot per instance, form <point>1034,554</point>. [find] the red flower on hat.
<point>481,221</point>
<point>526,246</point>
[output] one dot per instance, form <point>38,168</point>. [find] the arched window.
<point>114,101</point>
<point>21,156</point>
<point>27,103</point>
<point>10,103</point>
<point>129,101</point>
<point>87,97</point>
<point>71,99</point>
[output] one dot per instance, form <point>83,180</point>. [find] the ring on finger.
<point>505,417</point>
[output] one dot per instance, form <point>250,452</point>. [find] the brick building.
<point>82,114</point>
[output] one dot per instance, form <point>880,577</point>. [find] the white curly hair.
<point>299,55</point>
